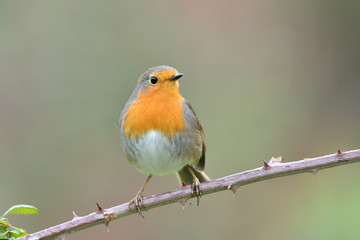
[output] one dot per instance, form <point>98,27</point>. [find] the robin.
<point>161,133</point>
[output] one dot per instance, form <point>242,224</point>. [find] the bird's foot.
<point>196,189</point>
<point>138,201</point>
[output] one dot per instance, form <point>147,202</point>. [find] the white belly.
<point>156,154</point>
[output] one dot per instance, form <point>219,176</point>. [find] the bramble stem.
<point>269,170</point>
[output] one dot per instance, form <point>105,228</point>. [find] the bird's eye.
<point>153,80</point>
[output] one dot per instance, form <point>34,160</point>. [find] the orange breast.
<point>155,109</point>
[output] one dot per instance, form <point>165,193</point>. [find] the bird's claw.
<point>196,190</point>
<point>138,200</point>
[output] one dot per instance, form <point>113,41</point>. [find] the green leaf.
<point>17,232</point>
<point>22,209</point>
<point>4,233</point>
<point>4,223</point>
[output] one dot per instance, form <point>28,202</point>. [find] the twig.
<point>274,168</point>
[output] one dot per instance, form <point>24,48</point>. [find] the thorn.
<point>108,217</point>
<point>182,202</point>
<point>75,216</point>
<point>234,189</point>
<point>62,237</point>
<point>266,165</point>
<point>314,172</point>
<point>100,209</point>
<point>339,152</point>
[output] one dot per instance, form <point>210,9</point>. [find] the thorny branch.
<point>274,168</point>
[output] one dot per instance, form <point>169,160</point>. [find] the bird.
<point>161,133</point>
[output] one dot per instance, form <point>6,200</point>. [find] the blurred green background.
<point>266,78</point>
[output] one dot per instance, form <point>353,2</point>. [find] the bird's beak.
<point>176,76</point>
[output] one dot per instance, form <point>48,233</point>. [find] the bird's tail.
<point>184,176</point>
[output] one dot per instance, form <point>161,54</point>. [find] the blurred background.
<point>266,78</point>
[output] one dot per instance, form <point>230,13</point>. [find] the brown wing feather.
<point>201,164</point>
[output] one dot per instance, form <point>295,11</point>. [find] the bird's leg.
<point>138,199</point>
<point>195,186</point>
